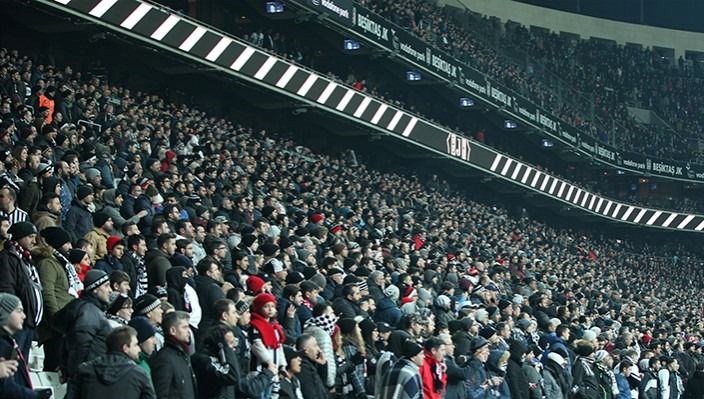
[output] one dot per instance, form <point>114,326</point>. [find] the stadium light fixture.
<point>274,7</point>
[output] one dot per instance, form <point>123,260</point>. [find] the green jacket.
<point>144,363</point>
<point>54,287</point>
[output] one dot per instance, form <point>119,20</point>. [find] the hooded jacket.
<point>79,221</point>
<point>112,376</point>
<point>516,377</point>
<point>157,264</point>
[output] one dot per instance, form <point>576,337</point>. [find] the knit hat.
<point>443,302</point>
<point>589,335</point>
<point>94,279</point>
<point>346,325</point>
<point>478,343</point>
<point>145,304</point>
<point>117,303</point>
<point>55,236</point>
<point>144,327</point>
<point>8,304</point>
<point>523,324</point>
<point>503,304</point>
<point>367,326</point>
<point>76,255</point>
<point>294,278</point>
<point>600,355</point>
<point>584,348</point>
<point>261,300</point>
<point>316,218</point>
<point>248,239</point>
<point>410,348</point>
<point>290,353</point>
<point>255,284</point>
<point>269,249</point>
<point>83,191</point>
<point>487,332</point>
<point>241,307</point>
<point>383,327</point>
<point>112,241</point>
<point>100,218</point>
<point>555,357</point>
<point>20,230</point>
<point>43,168</point>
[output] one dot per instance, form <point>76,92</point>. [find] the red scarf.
<point>268,331</point>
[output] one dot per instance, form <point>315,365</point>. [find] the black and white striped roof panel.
<point>180,34</point>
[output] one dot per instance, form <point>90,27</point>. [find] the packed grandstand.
<point>153,249</point>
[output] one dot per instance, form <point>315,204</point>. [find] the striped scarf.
<point>74,283</point>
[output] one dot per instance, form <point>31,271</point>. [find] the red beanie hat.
<point>317,217</point>
<point>112,241</point>
<point>261,300</point>
<point>255,284</point>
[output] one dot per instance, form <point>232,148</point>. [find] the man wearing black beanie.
<point>60,284</point>
<point>19,277</point>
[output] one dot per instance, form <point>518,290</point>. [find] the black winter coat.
<point>16,280</point>
<point>462,341</point>
<point>311,378</point>
<point>226,381</point>
<point>85,326</point>
<point>113,376</point>
<point>209,292</point>
<point>695,386</point>
<point>344,308</point>
<point>172,374</point>
<point>17,386</point>
<point>516,378</point>
<point>78,222</point>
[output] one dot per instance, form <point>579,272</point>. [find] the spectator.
<point>115,374</point>
<point>209,287</point>
<point>624,388</point>
<point>218,379</point>
<point>134,261</point>
<point>555,379</point>
<point>403,380</point>
<point>515,376</point>
<point>433,371</point>
<point>348,304</point>
<point>669,381</point>
<point>60,285</point>
<point>290,384</point>
<point>48,213</point>
<point>19,277</point>
<point>79,218</point>
<point>313,368</point>
<point>149,307</point>
<point>146,338</point>
<point>84,323</point>
<point>351,355</point>
<point>18,384</point>
<point>8,207</point>
<point>98,235</point>
<point>157,260</point>
<point>119,313</point>
<point>112,261</point>
<point>171,366</point>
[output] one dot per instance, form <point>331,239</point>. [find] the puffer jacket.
<point>112,376</point>
<point>86,327</point>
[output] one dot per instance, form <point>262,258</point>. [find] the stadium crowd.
<point>588,83</point>
<point>163,252</point>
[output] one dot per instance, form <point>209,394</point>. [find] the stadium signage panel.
<point>188,38</point>
<point>390,36</point>
<point>340,10</point>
